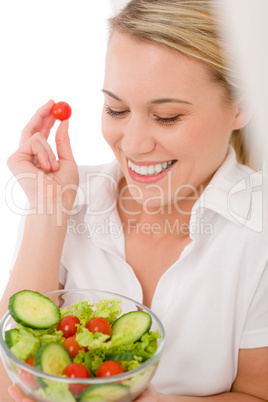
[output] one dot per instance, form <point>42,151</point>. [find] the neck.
<point>156,219</point>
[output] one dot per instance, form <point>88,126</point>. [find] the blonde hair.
<point>190,27</point>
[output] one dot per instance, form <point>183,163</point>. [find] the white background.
<point>56,49</point>
<point>53,49</point>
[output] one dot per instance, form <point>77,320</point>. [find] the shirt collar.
<point>230,194</point>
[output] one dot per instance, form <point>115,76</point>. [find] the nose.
<point>137,137</point>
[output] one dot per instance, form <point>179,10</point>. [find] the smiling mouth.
<point>150,170</point>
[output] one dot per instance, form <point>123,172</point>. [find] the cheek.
<point>212,133</point>
<point>209,146</point>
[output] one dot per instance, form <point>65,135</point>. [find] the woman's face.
<point>166,120</point>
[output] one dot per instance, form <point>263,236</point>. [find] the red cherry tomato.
<point>72,346</point>
<point>109,368</point>
<point>28,378</point>
<point>76,370</point>
<point>30,361</point>
<point>61,111</point>
<point>99,324</point>
<point>68,325</point>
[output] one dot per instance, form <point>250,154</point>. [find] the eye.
<point>113,113</point>
<point>168,120</point>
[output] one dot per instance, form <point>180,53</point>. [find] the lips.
<point>148,173</point>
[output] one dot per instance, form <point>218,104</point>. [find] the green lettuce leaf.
<point>56,392</point>
<point>82,310</point>
<point>89,339</point>
<point>43,335</point>
<point>93,360</point>
<point>26,347</point>
<point>109,309</point>
<point>56,337</point>
<point>130,364</point>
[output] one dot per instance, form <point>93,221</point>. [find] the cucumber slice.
<point>107,392</point>
<point>52,358</point>
<point>11,337</point>
<point>33,310</point>
<point>133,325</point>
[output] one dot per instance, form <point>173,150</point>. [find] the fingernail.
<point>48,165</point>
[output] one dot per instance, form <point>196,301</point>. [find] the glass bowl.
<point>43,387</point>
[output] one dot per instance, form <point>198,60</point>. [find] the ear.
<point>243,113</point>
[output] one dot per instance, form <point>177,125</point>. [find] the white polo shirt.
<point>212,301</point>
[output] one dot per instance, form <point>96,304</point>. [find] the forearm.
<point>36,267</point>
<point>38,261</point>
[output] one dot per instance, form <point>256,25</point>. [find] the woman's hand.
<point>45,180</point>
<point>17,394</point>
<point>149,395</point>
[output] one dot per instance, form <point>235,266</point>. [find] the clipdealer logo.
<point>108,227</point>
<point>245,202</point>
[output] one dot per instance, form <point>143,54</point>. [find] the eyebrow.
<point>169,100</point>
<point>112,95</point>
<point>153,102</point>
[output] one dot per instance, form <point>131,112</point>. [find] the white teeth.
<point>164,165</point>
<point>158,168</point>
<point>144,170</point>
<point>149,170</point>
<point>137,169</point>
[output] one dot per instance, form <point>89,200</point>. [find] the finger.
<point>41,153</point>
<point>63,145</point>
<point>42,121</point>
<point>16,393</point>
<point>36,152</point>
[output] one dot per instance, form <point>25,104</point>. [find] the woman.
<point>174,222</point>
